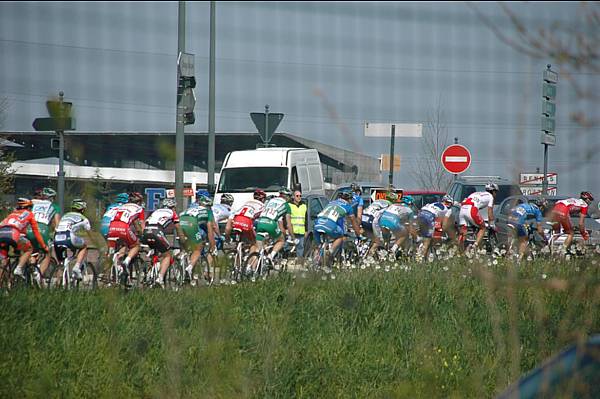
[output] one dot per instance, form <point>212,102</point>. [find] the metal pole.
<point>267,126</point>
<point>211,102</point>
<point>545,179</point>
<point>179,126</point>
<point>456,142</point>
<point>61,162</point>
<point>392,155</point>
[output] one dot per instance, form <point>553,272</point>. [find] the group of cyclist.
<point>36,224</point>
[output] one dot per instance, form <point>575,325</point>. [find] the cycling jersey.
<point>221,212</point>
<point>396,216</point>
<point>331,219</point>
<point>68,229</point>
<point>426,218</point>
<point>480,199</point>
<point>13,229</point>
<point>244,218</point>
<point>357,202</point>
<point>121,225</point>
<point>43,212</point>
<point>372,214</point>
<point>563,210</point>
<point>192,221</point>
<point>160,222</point>
<point>523,213</point>
<point>470,207</point>
<point>111,210</point>
<point>275,209</point>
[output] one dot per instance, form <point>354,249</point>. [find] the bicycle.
<point>29,278</point>
<point>263,264</point>
<point>63,276</point>
<point>36,259</point>
<point>131,277</point>
<point>240,257</point>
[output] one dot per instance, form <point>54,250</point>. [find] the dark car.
<point>365,190</point>
<point>503,234</point>
<point>464,186</point>
<point>314,204</point>
<point>424,197</point>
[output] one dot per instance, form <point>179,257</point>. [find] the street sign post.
<point>548,136</point>
<point>456,158</point>
<point>532,183</point>
<point>266,123</point>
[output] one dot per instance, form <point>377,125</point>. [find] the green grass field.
<point>453,329</point>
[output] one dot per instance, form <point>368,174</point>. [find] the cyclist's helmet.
<point>204,201</point>
<point>346,195</point>
<point>122,198</point>
<point>24,203</point>
<point>355,187</point>
<point>202,193</point>
<point>448,199</point>
<point>408,200</point>
<point>48,192</point>
<point>541,203</point>
<point>227,199</point>
<point>78,205</point>
<point>391,196</point>
<point>586,196</point>
<point>169,203</point>
<point>491,187</point>
<point>260,195</point>
<point>136,197</point>
<point>285,192</point>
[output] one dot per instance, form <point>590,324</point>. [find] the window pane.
<point>245,180</point>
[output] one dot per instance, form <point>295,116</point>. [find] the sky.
<point>328,66</point>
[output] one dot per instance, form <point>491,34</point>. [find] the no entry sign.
<point>456,158</point>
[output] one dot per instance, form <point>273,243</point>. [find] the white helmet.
<point>491,187</point>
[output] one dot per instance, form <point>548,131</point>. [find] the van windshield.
<point>246,180</point>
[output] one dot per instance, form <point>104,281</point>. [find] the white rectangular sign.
<point>537,178</point>
<point>537,190</point>
<point>401,129</point>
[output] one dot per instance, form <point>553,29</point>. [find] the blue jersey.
<point>336,211</point>
<point>521,213</point>
<point>357,202</point>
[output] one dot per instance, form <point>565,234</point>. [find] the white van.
<point>269,169</point>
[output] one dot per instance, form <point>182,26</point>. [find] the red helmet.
<point>586,196</point>
<point>259,195</point>
<point>136,197</point>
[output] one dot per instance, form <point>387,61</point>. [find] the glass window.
<point>246,180</point>
<point>315,207</point>
<point>508,205</point>
<point>303,175</point>
<point>315,173</point>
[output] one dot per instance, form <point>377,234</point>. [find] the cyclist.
<point>222,211</point>
<point>270,223</point>
<point>561,216</point>
<point>245,217</point>
<point>121,199</point>
<point>198,225</point>
<point>397,218</point>
<point>358,203</point>
<point>68,234</point>
<point>371,216</point>
<point>160,223</point>
<point>522,218</point>
<point>12,233</point>
<point>470,212</point>
<point>426,220</point>
<point>127,224</point>
<point>47,216</point>
<point>331,222</point>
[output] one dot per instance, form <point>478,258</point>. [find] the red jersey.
<point>571,205</point>
<point>128,213</point>
<point>19,219</point>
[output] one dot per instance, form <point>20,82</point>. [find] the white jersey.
<point>480,199</point>
<point>162,217</point>
<point>127,213</point>
<point>43,211</point>
<point>251,209</point>
<point>221,212</point>
<point>376,207</point>
<point>439,209</point>
<point>73,222</point>
<point>404,212</point>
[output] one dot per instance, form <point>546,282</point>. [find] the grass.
<point>452,329</point>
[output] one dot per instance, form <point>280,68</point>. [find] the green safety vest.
<point>298,217</point>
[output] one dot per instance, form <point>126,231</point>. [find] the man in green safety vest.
<point>299,222</point>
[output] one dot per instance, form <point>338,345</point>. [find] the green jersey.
<point>275,209</point>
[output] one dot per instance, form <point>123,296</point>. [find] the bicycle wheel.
<point>256,259</point>
<point>7,277</point>
<point>136,272</point>
<point>89,278</point>
<point>238,267</point>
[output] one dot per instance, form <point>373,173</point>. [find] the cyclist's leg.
<point>23,245</point>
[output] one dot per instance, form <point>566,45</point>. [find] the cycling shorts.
<point>328,227</point>
<point>367,222</point>
<point>246,226</point>
<point>154,237</point>
<point>124,232</point>
<point>469,215</point>
<point>268,227</point>
<point>391,222</point>
<point>64,239</point>
<point>194,232</point>
<point>563,218</point>
<point>426,224</point>
<point>11,237</point>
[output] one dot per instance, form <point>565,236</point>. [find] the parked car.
<point>365,190</point>
<point>464,186</point>
<point>314,204</point>
<point>503,234</point>
<point>424,197</point>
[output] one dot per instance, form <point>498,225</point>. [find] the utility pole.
<point>211,103</point>
<point>61,161</point>
<point>393,139</point>
<point>179,124</point>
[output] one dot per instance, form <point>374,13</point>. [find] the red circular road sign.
<point>456,158</point>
